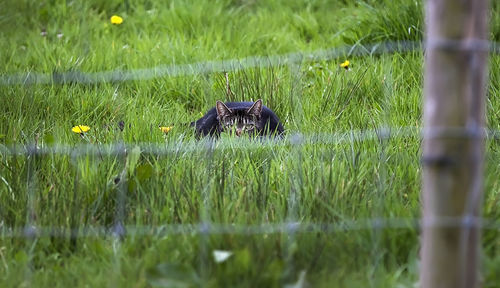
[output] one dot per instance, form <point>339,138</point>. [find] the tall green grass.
<point>232,181</point>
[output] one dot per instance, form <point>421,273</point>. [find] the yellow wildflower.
<point>345,64</point>
<point>116,20</point>
<point>80,129</point>
<point>166,129</point>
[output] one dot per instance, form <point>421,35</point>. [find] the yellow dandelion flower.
<point>345,64</point>
<point>116,20</point>
<point>80,129</point>
<point>166,129</point>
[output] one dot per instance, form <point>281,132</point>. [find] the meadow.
<point>334,204</point>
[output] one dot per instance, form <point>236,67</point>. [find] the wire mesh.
<point>292,226</point>
<point>265,228</point>
<point>232,65</point>
<point>119,230</point>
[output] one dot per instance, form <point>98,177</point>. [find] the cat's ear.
<point>222,110</point>
<point>256,108</point>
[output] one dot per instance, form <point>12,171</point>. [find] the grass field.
<point>349,177</point>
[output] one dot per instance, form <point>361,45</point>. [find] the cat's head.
<point>239,121</point>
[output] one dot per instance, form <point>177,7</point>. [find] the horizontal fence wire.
<point>180,146</point>
<point>204,67</point>
<point>252,229</point>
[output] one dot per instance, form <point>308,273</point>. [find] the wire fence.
<point>380,134</point>
<point>33,78</point>
<point>206,227</point>
<point>265,228</point>
<point>174,147</point>
<point>349,137</point>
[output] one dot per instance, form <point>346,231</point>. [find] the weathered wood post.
<point>454,86</point>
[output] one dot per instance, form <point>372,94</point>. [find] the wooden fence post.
<point>454,87</point>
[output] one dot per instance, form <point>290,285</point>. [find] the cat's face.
<point>239,121</point>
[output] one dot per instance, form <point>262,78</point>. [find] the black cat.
<point>239,118</point>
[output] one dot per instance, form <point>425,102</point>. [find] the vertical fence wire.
<point>31,213</point>
<point>383,136</point>
<point>296,182</point>
<point>476,78</point>
<point>74,207</point>
<point>118,229</point>
<point>205,212</point>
